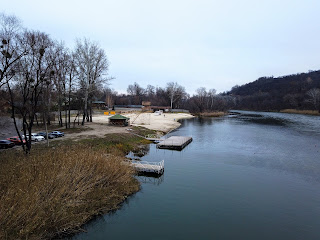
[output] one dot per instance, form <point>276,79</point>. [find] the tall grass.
<point>296,111</point>
<point>53,192</point>
<point>212,114</point>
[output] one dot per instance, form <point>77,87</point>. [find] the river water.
<point>250,175</point>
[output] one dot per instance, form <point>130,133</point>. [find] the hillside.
<point>269,93</point>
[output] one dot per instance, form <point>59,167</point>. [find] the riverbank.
<point>212,114</point>
<point>296,111</point>
<point>54,191</point>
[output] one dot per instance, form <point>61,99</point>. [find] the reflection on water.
<point>246,176</point>
<point>300,123</point>
<point>268,120</point>
<point>150,179</point>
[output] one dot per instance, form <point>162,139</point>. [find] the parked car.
<point>6,144</point>
<point>57,133</point>
<point>43,134</point>
<point>16,140</point>
<point>34,137</point>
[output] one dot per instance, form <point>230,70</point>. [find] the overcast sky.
<point>197,43</point>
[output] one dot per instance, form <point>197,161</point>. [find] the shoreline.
<point>166,122</point>
<point>289,111</point>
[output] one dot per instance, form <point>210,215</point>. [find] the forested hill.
<point>300,91</point>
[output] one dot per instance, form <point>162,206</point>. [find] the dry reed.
<point>54,192</point>
<point>212,114</point>
<point>296,111</point>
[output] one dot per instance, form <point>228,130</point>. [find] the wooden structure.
<point>119,120</point>
<point>99,105</point>
<point>146,106</point>
<point>149,167</point>
<point>158,108</point>
<point>175,143</point>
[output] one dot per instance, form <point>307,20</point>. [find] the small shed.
<point>99,104</point>
<point>119,120</point>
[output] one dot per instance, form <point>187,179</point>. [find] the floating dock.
<point>175,143</point>
<point>149,167</point>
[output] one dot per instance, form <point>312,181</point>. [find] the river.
<point>250,175</point>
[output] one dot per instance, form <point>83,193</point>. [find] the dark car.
<point>57,133</point>
<point>6,144</point>
<point>16,140</point>
<point>43,134</point>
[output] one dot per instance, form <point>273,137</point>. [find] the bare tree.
<point>11,49</point>
<point>109,96</point>
<point>211,97</point>
<point>313,97</point>
<point>31,74</point>
<point>136,92</point>
<point>175,92</point>
<point>201,97</point>
<point>150,91</point>
<point>92,66</point>
<point>71,74</point>
<point>61,69</point>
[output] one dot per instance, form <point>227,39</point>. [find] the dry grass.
<point>307,112</point>
<point>212,114</point>
<point>53,192</point>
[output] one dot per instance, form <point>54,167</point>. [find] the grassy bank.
<point>295,111</point>
<point>54,191</point>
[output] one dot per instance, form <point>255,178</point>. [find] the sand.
<point>164,122</point>
<point>100,124</point>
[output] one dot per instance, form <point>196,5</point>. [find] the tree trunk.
<point>90,114</point>
<point>60,114</point>
<point>69,106</point>
<point>66,114</point>
<point>85,110</point>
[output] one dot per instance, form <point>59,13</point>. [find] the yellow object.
<point>113,113</point>
<point>106,113</point>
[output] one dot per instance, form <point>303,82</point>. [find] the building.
<point>99,104</point>
<point>119,120</point>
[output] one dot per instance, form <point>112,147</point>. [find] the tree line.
<point>297,91</point>
<point>172,95</point>
<point>39,75</point>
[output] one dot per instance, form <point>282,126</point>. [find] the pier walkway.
<point>149,167</point>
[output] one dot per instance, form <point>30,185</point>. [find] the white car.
<point>35,137</point>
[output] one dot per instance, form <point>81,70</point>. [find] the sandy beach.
<point>164,122</point>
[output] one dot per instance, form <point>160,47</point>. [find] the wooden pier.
<point>175,143</point>
<point>149,167</point>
